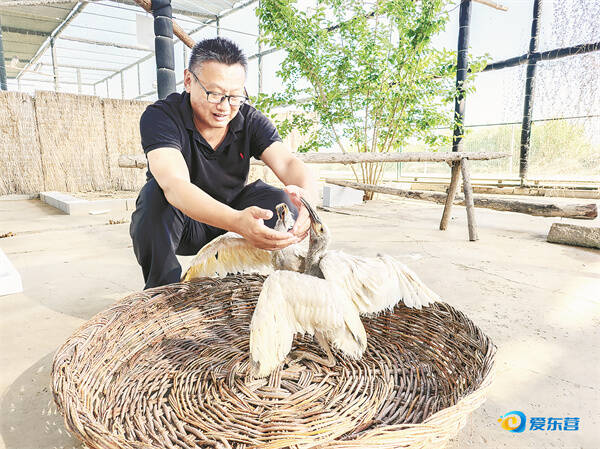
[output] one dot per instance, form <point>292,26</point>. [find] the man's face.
<point>215,77</point>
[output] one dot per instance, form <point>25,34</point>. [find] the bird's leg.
<point>330,361</point>
<point>304,355</point>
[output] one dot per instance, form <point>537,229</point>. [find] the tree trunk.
<point>583,211</point>
<point>574,235</point>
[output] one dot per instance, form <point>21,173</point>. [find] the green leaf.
<point>375,79</point>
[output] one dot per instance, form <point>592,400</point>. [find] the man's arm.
<point>292,172</point>
<point>170,171</point>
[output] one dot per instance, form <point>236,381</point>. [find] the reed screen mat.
<point>169,368</point>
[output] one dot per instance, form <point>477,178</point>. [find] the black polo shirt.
<point>221,173</point>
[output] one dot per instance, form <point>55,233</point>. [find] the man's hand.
<point>251,226</point>
<point>302,224</point>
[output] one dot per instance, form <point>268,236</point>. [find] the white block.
<point>10,280</point>
<point>63,201</point>
<point>336,196</point>
<point>76,206</point>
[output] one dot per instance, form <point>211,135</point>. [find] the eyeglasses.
<point>218,98</point>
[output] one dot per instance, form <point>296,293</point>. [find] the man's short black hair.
<point>217,49</point>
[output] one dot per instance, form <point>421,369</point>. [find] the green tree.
<point>562,147</point>
<point>363,75</point>
<point>558,148</point>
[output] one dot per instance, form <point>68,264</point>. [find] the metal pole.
<point>145,58</point>
<point>140,79</point>
<point>260,59</point>
<point>54,63</point>
<point>59,29</point>
<point>103,43</point>
<point>260,71</point>
<point>36,83</point>
<point>84,67</point>
<point>461,73</point>
<point>218,26</point>
<point>3,85</point>
<point>122,86</point>
<point>225,14</point>
<point>529,85</point>
<point>163,45</point>
<point>544,56</point>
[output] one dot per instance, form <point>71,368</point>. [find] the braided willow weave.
<point>168,368</point>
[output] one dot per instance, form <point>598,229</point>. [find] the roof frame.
<point>59,29</point>
<point>50,51</point>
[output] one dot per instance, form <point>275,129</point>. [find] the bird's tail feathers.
<point>353,341</point>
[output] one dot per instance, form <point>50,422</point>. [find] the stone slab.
<point>71,205</point>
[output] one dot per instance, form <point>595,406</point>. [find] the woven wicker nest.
<point>168,368</point>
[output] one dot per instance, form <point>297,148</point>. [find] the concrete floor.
<point>539,302</point>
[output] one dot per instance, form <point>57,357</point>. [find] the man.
<point>199,144</point>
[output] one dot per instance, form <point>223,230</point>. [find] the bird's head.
<point>285,221</point>
<point>319,233</point>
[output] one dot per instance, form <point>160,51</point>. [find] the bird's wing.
<point>291,303</point>
<point>228,253</point>
<point>377,283</point>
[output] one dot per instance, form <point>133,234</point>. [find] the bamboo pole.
<point>492,4</point>
<point>139,160</point>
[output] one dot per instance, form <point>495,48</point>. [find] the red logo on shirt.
<point>241,155</point>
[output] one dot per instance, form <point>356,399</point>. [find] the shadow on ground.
<point>29,417</point>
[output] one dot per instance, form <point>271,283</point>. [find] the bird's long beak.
<point>314,218</point>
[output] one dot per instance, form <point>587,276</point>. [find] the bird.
<point>314,290</point>
<point>291,303</point>
<point>232,253</point>
<point>326,300</point>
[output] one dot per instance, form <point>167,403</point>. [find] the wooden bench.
<point>459,163</point>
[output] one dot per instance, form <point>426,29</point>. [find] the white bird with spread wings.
<point>317,291</point>
<point>232,253</point>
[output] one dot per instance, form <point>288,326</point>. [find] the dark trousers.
<point>159,231</point>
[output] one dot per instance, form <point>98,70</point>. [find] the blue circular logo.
<point>514,421</point>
